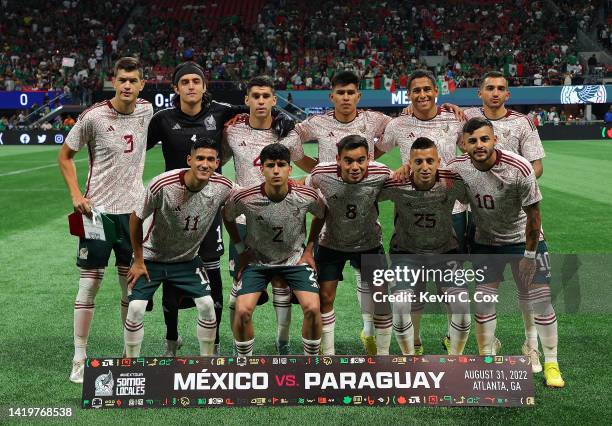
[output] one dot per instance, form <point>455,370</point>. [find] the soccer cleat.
<point>419,350</point>
<point>78,368</point>
<point>369,343</point>
<point>496,347</point>
<point>446,343</point>
<point>534,357</point>
<point>552,374</point>
<point>172,346</point>
<point>283,348</point>
<point>217,350</point>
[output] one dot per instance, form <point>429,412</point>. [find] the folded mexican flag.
<point>99,227</point>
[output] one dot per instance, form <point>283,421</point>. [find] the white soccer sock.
<point>364,297</point>
<point>402,324</point>
<point>133,332</point>
<point>244,348</point>
<point>327,333</point>
<point>486,321</point>
<point>531,332</point>
<point>84,307</point>
<point>281,300</point>
<point>311,347</point>
<point>545,321</point>
<point>459,319</point>
<point>207,324</point>
<point>123,284</point>
<point>416,312</point>
<point>383,324</point>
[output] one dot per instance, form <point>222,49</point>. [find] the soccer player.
<point>273,247</point>
<point>328,130</point>
<point>423,226</point>
<point>350,185</point>
<point>444,128</point>
<point>182,205</point>
<point>195,115</point>
<point>114,132</point>
<point>245,136</point>
<point>505,200</point>
<point>515,132</point>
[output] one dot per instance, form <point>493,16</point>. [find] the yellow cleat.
<point>419,350</point>
<point>552,374</point>
<point>369,343</point>
<point>446,344</point>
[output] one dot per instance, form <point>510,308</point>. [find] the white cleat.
<point>496,347</point>
<point>172,346</point>
<point>534,357</point>
<point>78,368</point>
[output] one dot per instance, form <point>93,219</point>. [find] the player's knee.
<point>205,306</point>
<point>311,309</point>
<point>243,315</point>
<point>136,310</point>
<point>327,297</point>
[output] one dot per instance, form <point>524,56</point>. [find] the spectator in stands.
<point>68,122</point>
<point>608,116</point>
<point>592,63</point>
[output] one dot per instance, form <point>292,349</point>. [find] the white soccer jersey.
<point>178,219</point>
<point>423,221</point>
<point>497,197</point>
<point>116,145</point>
<point>351,224</point>
<point>328,131</point>
<point>276,231</point>
<point>444,129</point>
<point>515,132</point>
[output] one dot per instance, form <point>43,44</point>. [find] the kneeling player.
<point>350,186</point>
<point>275,214</point>
<point>424,228</point>
<point>505,200</point>
<point>183,204</point>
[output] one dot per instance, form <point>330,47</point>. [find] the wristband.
<point>529,254</point>
<point>240,247</point>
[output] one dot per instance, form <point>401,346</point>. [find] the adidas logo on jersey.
<point>177,209</point>
<point>176,126</point>
<point>260,217</point>
<point>243,143</point>
<point>330,135</point>
<point>110,129</point>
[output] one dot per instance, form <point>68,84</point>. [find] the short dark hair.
<point>204,142</point>
<point>493,74</point>
<point>128,63</point>
<point>260,80</point>
<point>476,123</point>
<point>420,73</point>
<point>197,68</point>
<point>423,143</point>
<point>275,151</point>
<point>344,78</point>
<point>351,142</point>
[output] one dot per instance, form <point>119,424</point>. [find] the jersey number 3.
<point>129,139</point>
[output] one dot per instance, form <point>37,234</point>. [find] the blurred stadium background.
<point>56,58</point>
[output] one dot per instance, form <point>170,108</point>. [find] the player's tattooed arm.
<point>65,159</point>
<point>138,267</point>
<point>538,168</point>
<point>245,253</point>
<point>315,229</point>
<point>306,163</point>
<point>401,174</point>
<point>226,150</point>
<point>527,265</point>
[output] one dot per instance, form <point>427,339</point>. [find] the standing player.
<point>245,137</point>
<point>114,132</point>
<point>441,126</point>
<point>350,186</point>
<point>182,205</point>
<point>423,226</point>
<point>328,130</point>
<point>505,200</point>
<point>275,214</point>
<point>516,133</point>
<point>195,115</point>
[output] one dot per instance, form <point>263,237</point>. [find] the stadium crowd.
<point>300,45</point>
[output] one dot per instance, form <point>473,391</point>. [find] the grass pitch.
<point>39,282</point>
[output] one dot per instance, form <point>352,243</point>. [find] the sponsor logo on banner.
<point>24,138</point>
<point>594,94</point>
<point>104,384</point>
<point>41,138</point>
<point>59,138</point>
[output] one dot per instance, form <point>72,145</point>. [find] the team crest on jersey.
<point>210,123</point>
<point>104,384</point>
